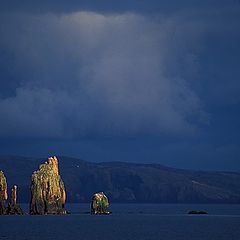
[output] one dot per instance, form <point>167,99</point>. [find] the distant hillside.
<point>127,182</point>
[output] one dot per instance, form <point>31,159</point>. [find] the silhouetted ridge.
<point>129,182</point>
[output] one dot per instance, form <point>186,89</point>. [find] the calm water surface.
<point>128,221</point>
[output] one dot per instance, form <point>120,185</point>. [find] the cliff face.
<point>3,192</point>
<point>99,204</point>
<point>47,189</point>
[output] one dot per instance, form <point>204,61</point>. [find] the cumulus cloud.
<point>87,73</point>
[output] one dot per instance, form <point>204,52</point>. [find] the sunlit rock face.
<point>3,192</point>
<point>47,189</point>
<point>99,204</point>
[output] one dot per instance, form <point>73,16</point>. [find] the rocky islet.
<point>99,204</point>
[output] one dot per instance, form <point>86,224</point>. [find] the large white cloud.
<point>87,73</point>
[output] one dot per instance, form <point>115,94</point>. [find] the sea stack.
<point>99,204</point>
<point>3,192</point>
<point>13,208</point>
<point>48,194</point>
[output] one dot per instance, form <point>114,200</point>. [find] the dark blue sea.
<point>128,222</point>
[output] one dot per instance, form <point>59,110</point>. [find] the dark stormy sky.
<point>140,81</point>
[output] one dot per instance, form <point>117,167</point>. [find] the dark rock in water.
<point>3,192</point>
<point>99,204</point>
<point>197,212</point>
<point>13,208</point>
<point>48,194</point>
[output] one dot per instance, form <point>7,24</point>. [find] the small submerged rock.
<point>48,194</point>
<point>197,212</point>
<point>100,204</point>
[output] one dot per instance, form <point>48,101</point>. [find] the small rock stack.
<point>48,194</point>
<point>99,204</point>
<point>13,208</point>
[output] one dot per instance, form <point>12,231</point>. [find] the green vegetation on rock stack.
<point>47,189</point>
<point>99,204</point>
<point>3,192</point>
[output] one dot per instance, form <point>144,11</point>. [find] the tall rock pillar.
<point>3,192</point>
<point>48,194</point>
<point>13,208</point>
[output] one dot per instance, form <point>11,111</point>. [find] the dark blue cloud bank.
<point>140,81</point>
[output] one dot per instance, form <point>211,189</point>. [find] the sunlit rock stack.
<point>13,208</point>
<point>47,189</point>
<point>3,192</point>
<point>99,204</point>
